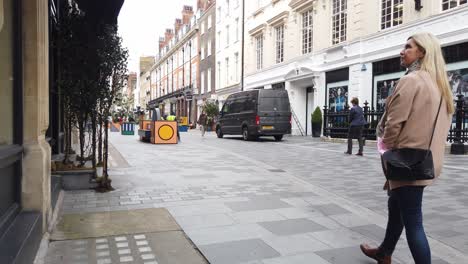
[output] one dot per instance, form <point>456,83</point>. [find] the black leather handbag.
<point>410,164</point>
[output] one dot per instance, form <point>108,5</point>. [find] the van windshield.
<point>271,104</point>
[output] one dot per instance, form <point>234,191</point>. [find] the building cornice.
<point>302,5</point>
<point>258,29</point>
<point>278,19</point>
<point>258,11</point>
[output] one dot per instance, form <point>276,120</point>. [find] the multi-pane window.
<point>208,77</point>
<point>279,30</point>
<point>339,23</point>
<point>202,52</point>
<point>202,28</point>
<point>237,29</point>
<point>227,35</point>
<point>227,71</point>
<point>219,75</point>
<point>392,13</point>
<point>448,4</point>
<point>259,51</point>
<point>194,78</point>
<point>219,41</point>
<point>209,21</point>
<point>227,7</point>
<point>202,81</point>
<point>208,49</point>
<point>307,24</point>
<point>218,15</point>
<point>236,62</point>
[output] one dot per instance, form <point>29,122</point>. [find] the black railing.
<point>458,133</point>
<point>336,124</point>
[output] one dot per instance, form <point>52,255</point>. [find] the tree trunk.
<point>81,131</point>
<point>105,183</point>
<point>100,139</point>
<point>67,138</point>
<point>93,143</point>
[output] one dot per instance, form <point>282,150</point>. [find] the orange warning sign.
<point>165,132</point>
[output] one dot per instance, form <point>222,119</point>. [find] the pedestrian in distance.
<point>356,126</point>
<point>417,116</point>
<point>202,122</point>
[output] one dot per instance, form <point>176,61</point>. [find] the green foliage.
<point>93,72</point>
<point>317,116</point>
<point>211,110</point>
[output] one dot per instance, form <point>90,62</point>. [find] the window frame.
<point>259,51</point>
<point>387,20</point>
<point>279,43</point>
<point>307,31</point>
<point>339,21</point>
<point>447,2</point>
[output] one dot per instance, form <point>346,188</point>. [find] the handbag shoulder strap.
<point>435,123</point>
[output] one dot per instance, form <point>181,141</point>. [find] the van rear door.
<point>274,111</point>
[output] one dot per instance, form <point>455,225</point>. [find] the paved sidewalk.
<point>295,201</point>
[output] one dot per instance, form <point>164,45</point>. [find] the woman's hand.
<point>386,186</point>
<point>381,146</point>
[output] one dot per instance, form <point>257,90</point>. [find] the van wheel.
<point>278,137</point>
<point>219,133</point>
<point>245,134</point>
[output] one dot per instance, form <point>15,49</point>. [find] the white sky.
<point>142,22</point>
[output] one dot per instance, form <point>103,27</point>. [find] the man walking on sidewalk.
<point>357,122</point>
<point>202,122</point>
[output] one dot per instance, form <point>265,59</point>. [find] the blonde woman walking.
<point>421,99</point>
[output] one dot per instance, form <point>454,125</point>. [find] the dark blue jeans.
<point>404,210</point>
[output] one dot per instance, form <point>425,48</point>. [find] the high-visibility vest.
<point>171,118</point>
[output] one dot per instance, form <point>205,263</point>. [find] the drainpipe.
<point>242,46</point>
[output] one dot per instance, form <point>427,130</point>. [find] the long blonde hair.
<point>433,62</point>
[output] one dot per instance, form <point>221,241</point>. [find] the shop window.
<point>6,72</point>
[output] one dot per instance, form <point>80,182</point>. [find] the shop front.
<point>12,116</point>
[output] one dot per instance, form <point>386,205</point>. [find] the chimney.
<point>177,25</point>
<point>201,4</point>
<point>168,35</point>
<point>187,13</point>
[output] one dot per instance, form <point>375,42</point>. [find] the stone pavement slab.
<point>88,225</point>
<point>238,251</point>
<point>298,201</point>
<point>170,247</point>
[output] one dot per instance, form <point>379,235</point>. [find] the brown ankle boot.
<point>372,253</point>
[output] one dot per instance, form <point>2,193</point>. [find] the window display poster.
<point>384,89</point>
<point>458,80</point>
<point>337,98</point>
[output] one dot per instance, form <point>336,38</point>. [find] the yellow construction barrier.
<point>165,132</point>
<point>183,121</point>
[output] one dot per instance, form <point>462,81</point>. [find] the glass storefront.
<point>6,72</point>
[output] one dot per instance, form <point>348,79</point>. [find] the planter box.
<point>77,179</point>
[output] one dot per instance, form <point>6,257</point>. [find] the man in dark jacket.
<point>357,122</point>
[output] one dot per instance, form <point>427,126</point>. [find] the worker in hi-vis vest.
<point>172,117</point>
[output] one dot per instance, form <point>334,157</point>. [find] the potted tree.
<point>317,122</point>
<point>211,110</point>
